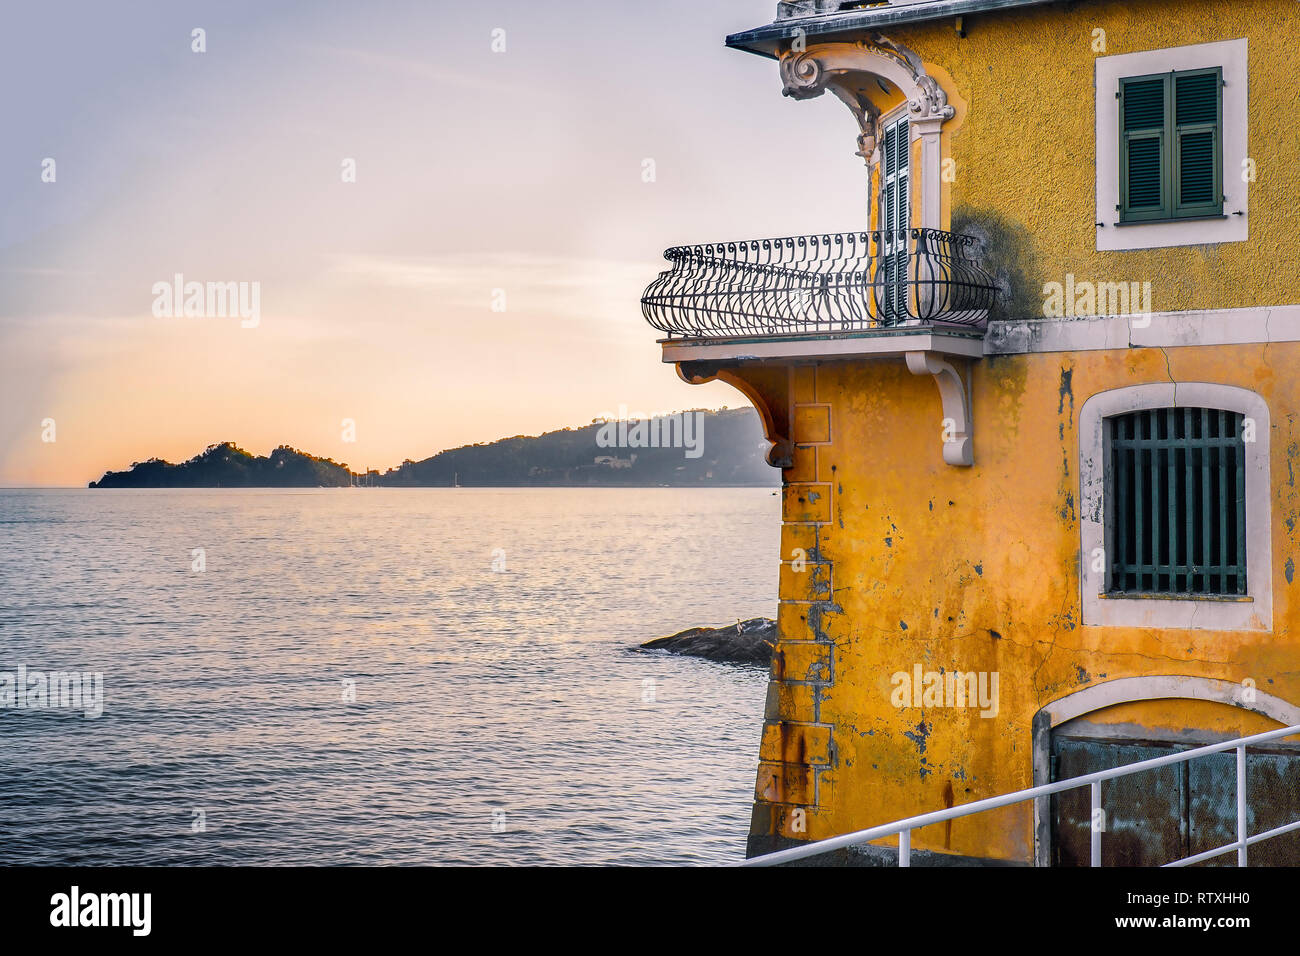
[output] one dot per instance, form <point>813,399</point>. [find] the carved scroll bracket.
<point>767,391</point>
<point>957,423</point>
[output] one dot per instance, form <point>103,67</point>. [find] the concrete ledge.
<point>1255,326</point>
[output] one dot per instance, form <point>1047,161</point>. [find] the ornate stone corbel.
<point>933,101</point>
<point>957,424</point>
<point>802,76</point>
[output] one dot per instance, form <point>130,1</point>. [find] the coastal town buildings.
<point>1037,423</point>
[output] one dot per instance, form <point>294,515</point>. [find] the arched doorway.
<point>1160,815</point>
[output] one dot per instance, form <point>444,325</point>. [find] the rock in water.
<point>745,642</point>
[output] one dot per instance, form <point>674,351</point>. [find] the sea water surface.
<point>349,681</point>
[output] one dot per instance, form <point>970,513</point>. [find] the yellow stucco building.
<point>1037,423</point>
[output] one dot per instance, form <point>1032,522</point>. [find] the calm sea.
<point>498,717</point>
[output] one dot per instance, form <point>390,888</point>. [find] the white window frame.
<point>1254,611</point>
<point>1231,56</point>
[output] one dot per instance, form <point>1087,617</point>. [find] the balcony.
<point>744,312</point>
<point>822,285</point>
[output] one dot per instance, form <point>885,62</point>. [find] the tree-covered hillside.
<point>695,448</point>
<point>725,448</point>
<point>226,465</point>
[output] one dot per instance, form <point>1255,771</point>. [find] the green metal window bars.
<point>1177,486</point>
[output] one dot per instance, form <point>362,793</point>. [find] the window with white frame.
<point>1175,526</point>
<point>1172,153</point>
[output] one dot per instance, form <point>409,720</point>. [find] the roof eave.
<point>769,39</point>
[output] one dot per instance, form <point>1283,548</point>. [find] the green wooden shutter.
<point>1198,139</point>
<point>1171,146</point>
<point>1144,166</point>
<point>902,219</point>
<point>895,218</point>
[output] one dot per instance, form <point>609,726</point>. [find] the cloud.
<point>475,81</point>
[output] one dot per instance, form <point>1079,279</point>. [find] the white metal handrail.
<point>903,828</point>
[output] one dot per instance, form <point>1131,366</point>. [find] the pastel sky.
<point>475,171</point>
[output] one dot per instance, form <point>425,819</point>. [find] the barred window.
<point>1176,491</point>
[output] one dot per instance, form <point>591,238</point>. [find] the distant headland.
<point>691,448</point>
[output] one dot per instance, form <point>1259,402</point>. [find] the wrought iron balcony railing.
<point>854,281</point>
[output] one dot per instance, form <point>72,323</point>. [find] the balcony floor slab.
<point>882,343</point>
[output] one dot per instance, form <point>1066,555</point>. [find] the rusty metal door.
<point>1160,815</point>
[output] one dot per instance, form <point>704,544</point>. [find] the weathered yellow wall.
<point>913,561</point>
<point>910,561</point>
<point>1024,139</point>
